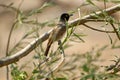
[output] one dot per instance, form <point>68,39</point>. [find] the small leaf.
<point>85,68</point>
<point>90,1</point>
<point>78,36</point>
<point>60,79</point>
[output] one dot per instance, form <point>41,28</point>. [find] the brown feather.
<point>47,49</point>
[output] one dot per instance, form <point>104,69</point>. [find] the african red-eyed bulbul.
<point>58,32</point>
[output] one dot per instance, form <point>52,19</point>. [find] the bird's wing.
<point>51,39</point>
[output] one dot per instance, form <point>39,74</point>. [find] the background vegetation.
<point>66,62</point>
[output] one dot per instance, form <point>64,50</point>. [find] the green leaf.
<point>90,1</point>
<point>67,46</point>
<point>85,68</point>
<point>79,37</point>
<point>60,79</point>
<point>35,71</point>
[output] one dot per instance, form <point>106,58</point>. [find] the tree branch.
<point>86,18</point>
<point>25,51</point>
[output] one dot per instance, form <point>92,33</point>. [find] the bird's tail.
<point>47,49</point>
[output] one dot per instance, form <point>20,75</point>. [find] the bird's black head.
<point>65,17</point>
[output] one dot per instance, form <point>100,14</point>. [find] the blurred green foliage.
<point>78,66</point>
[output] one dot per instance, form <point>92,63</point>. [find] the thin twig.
<point>10,34</point>
<point>9,7</point>
<point>115,30</point>
<point>95,20</point>
<point>97,29</point>
<point>62,59</point>
<point>7,48</point>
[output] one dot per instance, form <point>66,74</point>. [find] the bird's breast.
<point>60,32</point>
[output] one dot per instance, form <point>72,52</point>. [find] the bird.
<point>58,32</point>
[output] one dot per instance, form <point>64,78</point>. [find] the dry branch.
<point>25,51</point>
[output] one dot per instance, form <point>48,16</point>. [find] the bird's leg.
<point>59,42</point>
